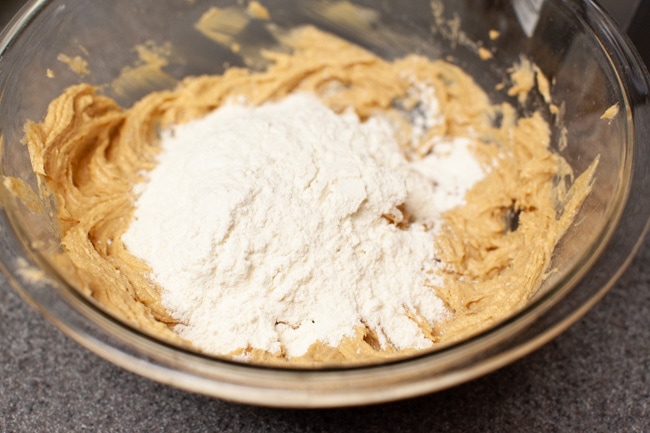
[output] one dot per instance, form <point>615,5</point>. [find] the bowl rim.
<point>543,318</point>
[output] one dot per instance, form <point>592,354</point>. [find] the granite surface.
<point>594,377</point>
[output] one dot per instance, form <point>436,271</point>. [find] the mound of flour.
<point>282,225</point>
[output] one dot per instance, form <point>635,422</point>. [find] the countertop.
<point>594,377</point>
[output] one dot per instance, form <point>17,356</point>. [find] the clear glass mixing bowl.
<point>590,62</point>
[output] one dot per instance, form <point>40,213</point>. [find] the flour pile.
<point>278,226</point>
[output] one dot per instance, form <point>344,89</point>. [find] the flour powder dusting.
<point>278,226</point>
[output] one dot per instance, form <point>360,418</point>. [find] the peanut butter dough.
<point>89,153</point>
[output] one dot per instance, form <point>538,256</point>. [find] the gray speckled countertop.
<point>594,377</point>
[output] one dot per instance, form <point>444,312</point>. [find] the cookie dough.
<point>89,153</point>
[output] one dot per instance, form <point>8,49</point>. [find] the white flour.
<point>268,227</point>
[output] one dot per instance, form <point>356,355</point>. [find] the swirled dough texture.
<point>89,153</point>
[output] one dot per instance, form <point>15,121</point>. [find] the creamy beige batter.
<point>89,153</point>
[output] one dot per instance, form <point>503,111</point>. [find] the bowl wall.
<point>591,67</point>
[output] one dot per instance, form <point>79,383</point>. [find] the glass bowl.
<point>591,64</point>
